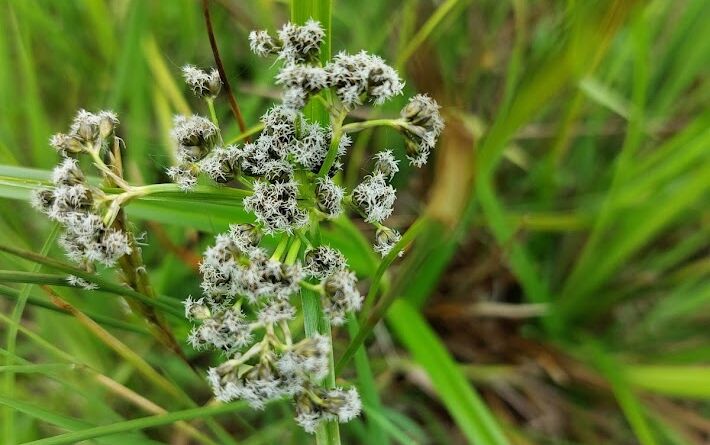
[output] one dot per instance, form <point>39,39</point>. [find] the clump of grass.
<point>558,269</point>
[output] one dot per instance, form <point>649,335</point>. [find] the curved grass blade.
<point>461,400</point>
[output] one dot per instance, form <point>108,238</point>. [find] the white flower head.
<point>42,200</point>
<point>335,404</point>
<point>309,356</point>
<point>386,238</point>
<point>374,197</point>
<point>68,173</point>
<point>65,144</point>
<point>194,136</point>
<point>256,385</point>
<point>87,239</point>
<point>309,420</point>
<point>300,81</point>
<point>222,165</point>
<point>423,127</point>
<point>301,43</point>
<point>202,83</point>
<point>341,296</point>
<point>114,244</point>
<point>226,330</point>
<point>362,77</point>
<point>245,237</point>
<point>89,128</point>
<point>346,405</point>
<point>276,206</point>
<point>324,261</point>
<point>262,44</point>
<point>67,199</point>
<point>276,311</point>
<point>386,164</point>
<point>329,196</point>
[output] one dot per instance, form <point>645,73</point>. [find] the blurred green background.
<point>559,292</point>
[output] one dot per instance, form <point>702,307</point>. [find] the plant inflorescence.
<point>289,175</point>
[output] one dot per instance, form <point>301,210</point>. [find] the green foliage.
<point>574,173</point>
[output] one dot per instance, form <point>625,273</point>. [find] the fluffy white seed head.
<point>362,77</point>
<point>65,143</point>
<point>222,165</point>
<point>308,357</point>
<point>374,197</point>
<point>90,128</point>
<point>386,164</point>
<point>424,125</point>
<point>276,311</point>
<point>276,206</point>
<point>323,261</point>
<point>68,173</point>
<point>262,44</point>
<point>194,137</point>
<point>202,83</point>
<point>225,330</point>
<point>329,196</point>
<point>342,296</point>
<point>301,43</point>
<point>386,238</point>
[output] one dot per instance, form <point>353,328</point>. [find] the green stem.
<point>336,122</point>
<point>359,126</point>
<point>108,173</point>
<point>241,136</point>
<point>280,248</point>
<point>292,254</point>
<point>213,113</point>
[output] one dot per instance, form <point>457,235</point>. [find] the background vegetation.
<point>557,293</point>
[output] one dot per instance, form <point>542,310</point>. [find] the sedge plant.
<point>254,294</point>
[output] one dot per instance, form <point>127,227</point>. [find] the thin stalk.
<point>244,135</point>
<point>292,254</point>
<point>359,126</point>
<point>104,284</point>
<point>336,122</point>
<point>213,113</point>
<point>280,248</point>
<point>220,68</point>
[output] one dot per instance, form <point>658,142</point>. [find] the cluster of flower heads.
<point>245,312</point>
<point>290,172</point>
<point>355,78</point>
<point>71,201</point>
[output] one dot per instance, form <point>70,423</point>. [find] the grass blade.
<point>461,400</point>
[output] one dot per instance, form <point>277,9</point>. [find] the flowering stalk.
<point>288,178</point>
<point>290,172</point>
<point>95,225</point>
